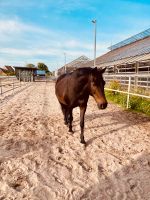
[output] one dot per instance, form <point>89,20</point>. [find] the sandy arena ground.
<point>40,160</point>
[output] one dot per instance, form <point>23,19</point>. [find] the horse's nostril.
<point>102,106</point>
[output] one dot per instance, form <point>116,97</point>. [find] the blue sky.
<point>33,31</point>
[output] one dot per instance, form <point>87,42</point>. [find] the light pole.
<point>94,22</point>
<point>65,63</point>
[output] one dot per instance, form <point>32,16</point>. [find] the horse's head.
<point>97,87</point>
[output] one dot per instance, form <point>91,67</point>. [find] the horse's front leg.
<point>82,113</point>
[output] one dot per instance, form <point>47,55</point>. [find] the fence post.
<point>13,86</point>
<point>1,86</point>
<point>129,85</point>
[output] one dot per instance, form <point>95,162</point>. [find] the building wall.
<point>24,74</point>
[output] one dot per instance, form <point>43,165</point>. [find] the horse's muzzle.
<point>102,105</point>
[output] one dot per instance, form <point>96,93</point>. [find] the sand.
<point>40,160</point>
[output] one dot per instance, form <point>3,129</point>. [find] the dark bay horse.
<point>73,89</point>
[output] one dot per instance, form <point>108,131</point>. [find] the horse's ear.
<point>103,70</point>
<point>94,69</point>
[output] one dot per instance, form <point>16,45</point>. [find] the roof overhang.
<point>27,68</point>
<point>125,61</point>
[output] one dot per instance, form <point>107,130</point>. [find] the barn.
<point>40,73</point>
<point>2,72</point>
<point>25,73</point>
<point>73,64</point>
<point>6,71</point>
<point>128,56</point>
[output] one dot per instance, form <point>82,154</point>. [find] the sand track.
<point>40,160</point>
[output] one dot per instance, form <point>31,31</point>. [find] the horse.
<point>73,90</point>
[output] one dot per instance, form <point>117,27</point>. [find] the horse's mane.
<point>79,71</point>
<point>60,77</point>
<point>84,69</point>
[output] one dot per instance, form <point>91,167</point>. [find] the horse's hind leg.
<point>70,119</point>
<point>64,111</point>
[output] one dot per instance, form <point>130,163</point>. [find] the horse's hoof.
<point>83,142</point>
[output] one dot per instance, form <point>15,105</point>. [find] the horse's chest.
<point>81,101</point>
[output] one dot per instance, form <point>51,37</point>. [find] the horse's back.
<point>61,89</point>
<point>71,87</point>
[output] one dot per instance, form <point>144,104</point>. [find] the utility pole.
<point>94,22</point>
<point>65,63</point>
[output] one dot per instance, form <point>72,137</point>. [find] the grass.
<point>138,104</point>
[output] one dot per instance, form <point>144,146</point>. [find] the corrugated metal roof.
<point>129,60</point>
<point>74,64</point>
<point>137,48</point>
<point>20,67</point>
<point>78,60</point>
<point>123,54</point>
<point>132,39</point>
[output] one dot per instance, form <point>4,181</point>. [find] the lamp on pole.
<point>65,63</point>
<point>94,22</point>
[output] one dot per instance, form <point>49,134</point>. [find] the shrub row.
<point>138,104</point>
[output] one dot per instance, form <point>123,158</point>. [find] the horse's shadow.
<point>123,117</point>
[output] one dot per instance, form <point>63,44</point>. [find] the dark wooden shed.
<point>25,74</point>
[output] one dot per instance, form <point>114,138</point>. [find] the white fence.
<point>10,83</point>
<point>130,83</point>
<point>44,78</point>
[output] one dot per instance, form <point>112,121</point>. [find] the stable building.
<point>73,65</point>
<point>128,56</point>
<point>40,73</point>
<point>25,73</point>
<point>2,72</point>
<point>6,71</point>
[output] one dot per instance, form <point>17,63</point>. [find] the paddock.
<point>39,159</point>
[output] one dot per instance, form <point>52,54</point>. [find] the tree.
<point>30,65</point>
<point>42,66</point>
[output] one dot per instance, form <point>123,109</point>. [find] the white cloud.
<point>16,26</point>
<point>23,42</point>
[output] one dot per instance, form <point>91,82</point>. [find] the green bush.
<point>138,104</point>
<point>115,85</point>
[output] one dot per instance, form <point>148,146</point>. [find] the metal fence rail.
<point>44,78</point>
<point>8,84</point>
<point>130,83</point>
<point>137,80</point>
